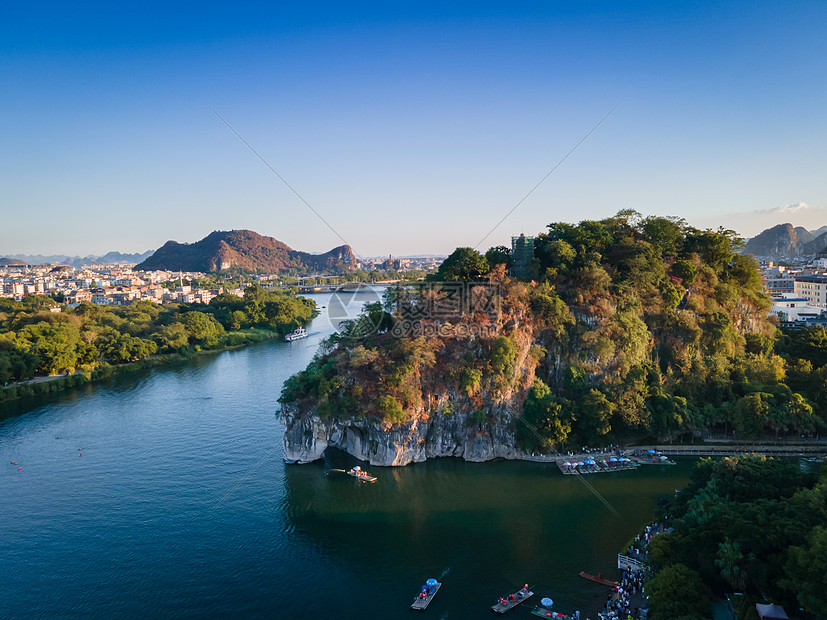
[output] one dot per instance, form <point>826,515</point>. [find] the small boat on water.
<point>512,600</point>
<point>543,610</point>
<point>360,474</point>
<point>599,579</point>
<point>300,333</point>
<point>426,594</point>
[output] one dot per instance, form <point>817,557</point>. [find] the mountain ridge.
<point>786,241</point>
<point>78,261</point>
<point>246,250</point>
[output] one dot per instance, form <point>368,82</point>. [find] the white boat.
<point>300,333</point>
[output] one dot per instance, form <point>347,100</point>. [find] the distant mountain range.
<point>786,241</point>
<point>74,261</point>
<point>246,250</point>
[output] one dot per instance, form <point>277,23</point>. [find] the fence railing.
<point>624,562</point>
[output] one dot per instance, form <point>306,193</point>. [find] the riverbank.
<point>56,383</point>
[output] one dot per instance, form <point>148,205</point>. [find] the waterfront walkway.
<point>811,448</point>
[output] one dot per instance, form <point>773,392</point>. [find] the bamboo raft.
<point>360,475</point>
<point>357,473</point>
<point>518,597</point>
<point>421,603</point>
<point>601,580</point>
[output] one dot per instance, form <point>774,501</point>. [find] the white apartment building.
<point>794,308</point>
<point>813,289</point>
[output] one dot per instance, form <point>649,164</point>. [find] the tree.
<point>201,327</point>
<point>54,343</point>
<point>665,233</point>
<point>684,270</point>
<point>463,264</point>
<point>122,348</point>
<point>806,569</point>
<point>677,591</point>
<point>173,337</point>
<point>730,562</point>
<point>390,409</point>
<point>499,255</point>
<point>595,412</point>
<point>503,356</point>
<point>544,422</point>
<point>752,412</point>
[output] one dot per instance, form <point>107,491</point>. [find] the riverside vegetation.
<point>98,339</point>
<point>628,327</point>
<point>746,524</point>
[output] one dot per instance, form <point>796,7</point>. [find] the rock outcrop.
<point>308,436</point>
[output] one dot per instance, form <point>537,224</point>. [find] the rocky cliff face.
<point>308,436</point>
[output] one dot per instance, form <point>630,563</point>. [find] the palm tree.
<point>730,559</point>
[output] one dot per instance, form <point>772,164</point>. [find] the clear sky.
<point>411,127</point>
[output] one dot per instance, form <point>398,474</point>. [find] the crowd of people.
<point>624,603</point>
<point>610,449</point>
<point>620,603</point>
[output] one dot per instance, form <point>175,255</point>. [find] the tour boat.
<point>512,600</point>
<point>429,590</point>
<point>300,333</point>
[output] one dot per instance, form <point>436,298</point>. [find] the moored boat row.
<point>596,466</point>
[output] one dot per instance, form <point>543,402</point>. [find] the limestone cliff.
<point>308,436</point>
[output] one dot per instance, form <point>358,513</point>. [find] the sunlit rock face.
<point>307,437</point>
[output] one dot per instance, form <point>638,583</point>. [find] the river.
<point>163,494</point>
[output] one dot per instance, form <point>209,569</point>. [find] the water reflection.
<point>493,525</point>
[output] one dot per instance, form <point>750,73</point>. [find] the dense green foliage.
<point>634,327</point>
<point>747,524</point>
<point>370,370</point>
<point>677,593</point>
<point>34,340</point>
<point>462,264</point>
<point>669,325</point>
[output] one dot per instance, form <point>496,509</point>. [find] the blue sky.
<point>410,127</point>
